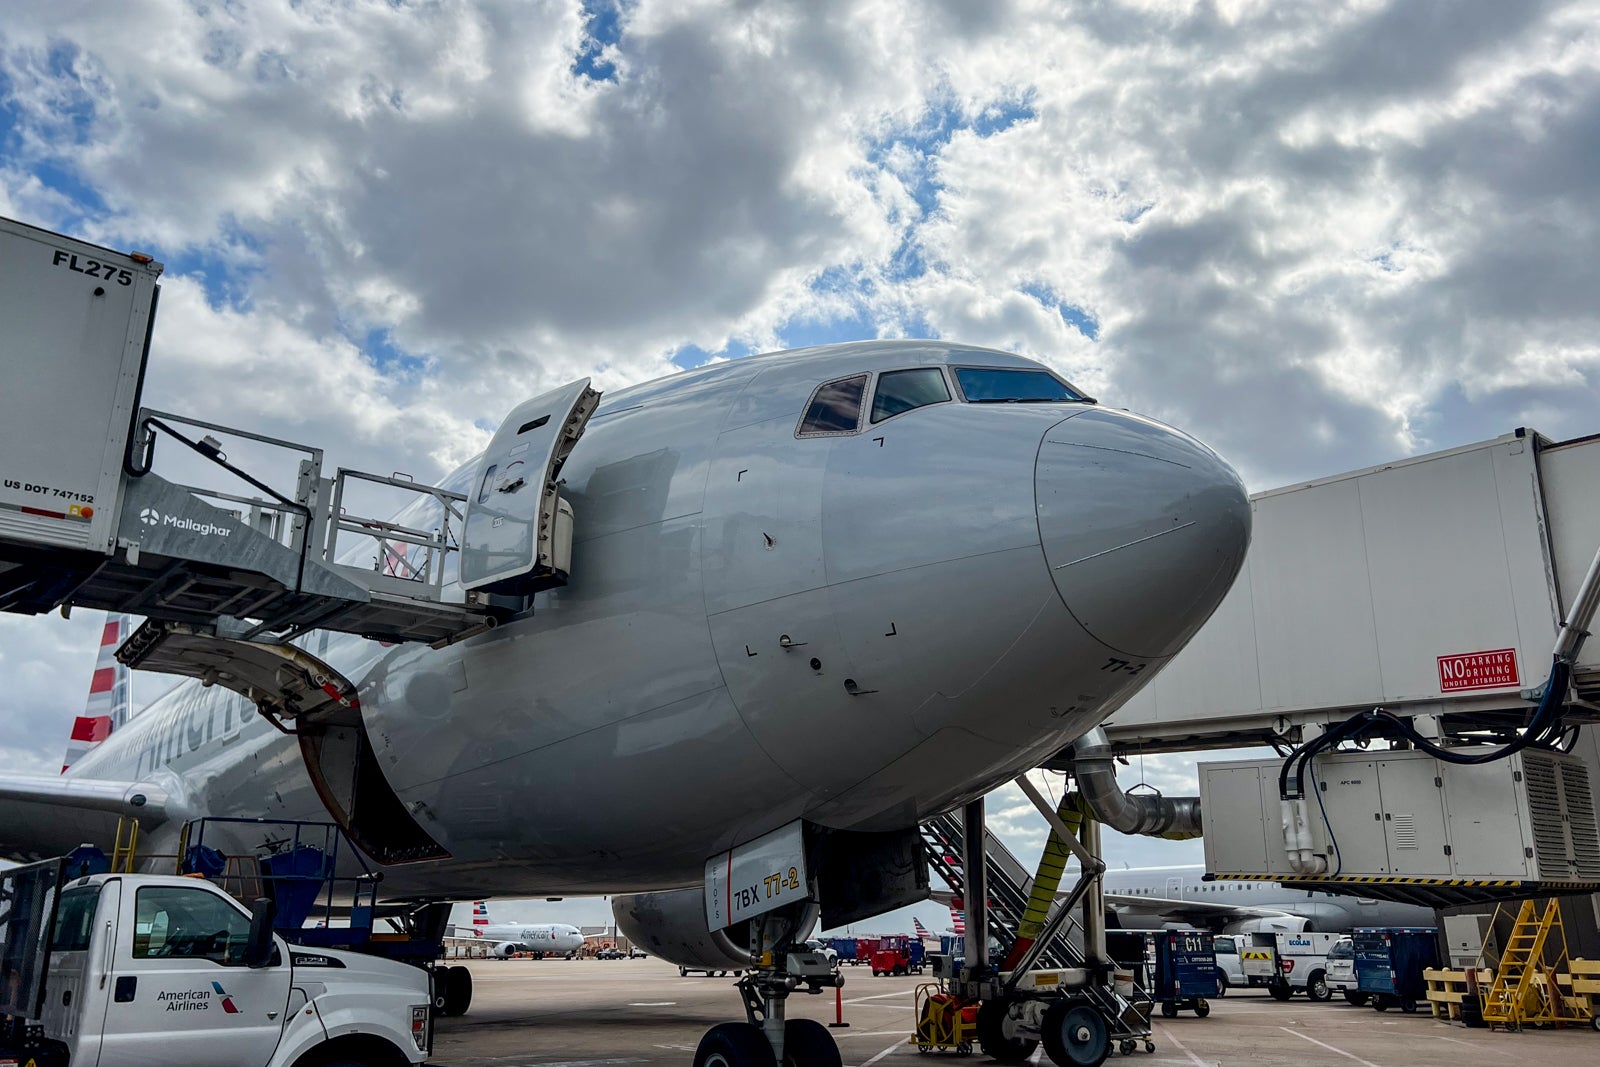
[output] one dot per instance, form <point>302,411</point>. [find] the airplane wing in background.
<point>1193,912</point>
<point>49,815</point>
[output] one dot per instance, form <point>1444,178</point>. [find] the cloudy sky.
<point>1318,235</point>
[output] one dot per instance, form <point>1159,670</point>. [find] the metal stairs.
<point>1009,886</point>
<point>1525,991</point>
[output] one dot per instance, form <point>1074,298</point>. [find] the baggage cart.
<point>1390,961</point>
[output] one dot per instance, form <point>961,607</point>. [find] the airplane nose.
<point>1143,527</point>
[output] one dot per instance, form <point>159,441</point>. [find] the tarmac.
<point>621,1013</point>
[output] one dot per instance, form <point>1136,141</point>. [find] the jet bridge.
<point>1432,587</point>
<point>229,568</point>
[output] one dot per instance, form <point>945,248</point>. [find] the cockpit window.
<point>901,390</point>
<point>994,385</point>
<point>835,407</point>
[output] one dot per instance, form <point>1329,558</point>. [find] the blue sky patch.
<point>602,28</point>
<point>391,361</point>
<point>1075,316</point>
<point>691,356</point>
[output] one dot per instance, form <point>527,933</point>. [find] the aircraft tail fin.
<point>480,917</point>
<point>958,918</point>
<point>110,694</point>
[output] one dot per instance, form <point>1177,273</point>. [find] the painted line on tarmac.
<point>1179,1045</point>
<point>1330,1048</point>
<point>885,1052</point>
<point>654,1004</point>
<point>880,996</point>
<point>875,1033</point>
<point>1476,1048</point>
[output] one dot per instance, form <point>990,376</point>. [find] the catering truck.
<point>128,970</point>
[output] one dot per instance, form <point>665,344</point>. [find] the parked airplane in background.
<point>830,592</point>
<point>540,939</point>
<point>1148,898</point>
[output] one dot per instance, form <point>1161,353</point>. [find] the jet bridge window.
<point>177,923</point>
<point>1005,385</point>
<point>899,391</point>
<point>835,408</point>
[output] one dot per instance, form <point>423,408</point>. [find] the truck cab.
<point>155,971</point>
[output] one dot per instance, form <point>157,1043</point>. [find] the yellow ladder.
<point>1525,989</point>
<point>122,851</point>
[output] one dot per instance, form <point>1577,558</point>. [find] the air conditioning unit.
<point>1407,817</point>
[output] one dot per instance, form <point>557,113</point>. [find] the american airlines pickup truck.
<point>152,971</point>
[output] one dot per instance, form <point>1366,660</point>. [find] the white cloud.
<point>1317,235</point>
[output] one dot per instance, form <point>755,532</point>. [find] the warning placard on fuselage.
<point>756,877</point>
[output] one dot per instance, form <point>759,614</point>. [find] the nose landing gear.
<point>766,1038</point>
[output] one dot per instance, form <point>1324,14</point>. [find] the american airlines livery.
<point>537,939</point>
<point>815,598</point>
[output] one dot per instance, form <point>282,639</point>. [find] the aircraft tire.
<point>457,991</point>
<point>807,1043</point>
<point>1317,987</point>
<point>734,1045</point>
<point>1075,1035</point>
<point>992,1035</point>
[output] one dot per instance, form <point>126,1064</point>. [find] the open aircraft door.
<point>517,538</point>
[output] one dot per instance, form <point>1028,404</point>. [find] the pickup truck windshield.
<point>994,385</point>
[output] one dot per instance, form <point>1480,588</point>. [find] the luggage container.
<point>1390,961</point>
<point>1176,968</point>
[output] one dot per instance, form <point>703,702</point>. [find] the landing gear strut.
<point>766,1038</point>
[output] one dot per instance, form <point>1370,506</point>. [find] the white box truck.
<point>76,333</point>
<point>129,970</point>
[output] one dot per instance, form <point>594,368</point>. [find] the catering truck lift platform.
<point>229,577</point>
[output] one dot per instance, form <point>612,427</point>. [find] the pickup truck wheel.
<point>1280,991</point>
<point>1358,999</point>
<point>1317,987</point>
<point>1222,984</point>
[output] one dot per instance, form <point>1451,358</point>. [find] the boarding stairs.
<point>1525,990</point>
<point>1010,886</point>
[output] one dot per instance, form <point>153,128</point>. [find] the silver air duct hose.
<point>1154,816</point>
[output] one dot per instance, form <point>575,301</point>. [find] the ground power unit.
<point>1404,817</point>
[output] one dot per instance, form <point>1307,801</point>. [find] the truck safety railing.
<point>297,865</point>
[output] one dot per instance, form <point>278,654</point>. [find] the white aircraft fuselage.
<point>860,629</point>
<point>1145,899</point>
